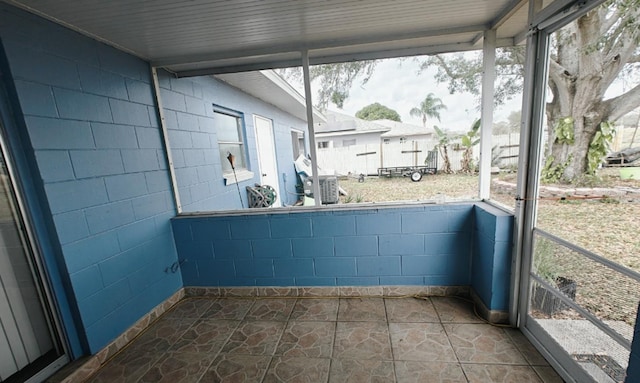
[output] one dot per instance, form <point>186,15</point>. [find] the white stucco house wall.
<point>342,130</point>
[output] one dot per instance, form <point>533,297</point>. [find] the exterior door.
<point>267,155</point>
<point>576,306</point>
<point>30,349</point>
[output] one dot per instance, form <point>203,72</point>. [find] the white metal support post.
<point>520,275</point>
<point>488,87</point>
<point>312,131</point>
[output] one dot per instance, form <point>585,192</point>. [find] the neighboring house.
<point>402,132</point>
<point>256,116</point>
<point>341,130</point>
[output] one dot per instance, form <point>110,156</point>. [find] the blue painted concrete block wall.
<point>93,129</point>
<point>188,107</point>
<point>427,245</point>
<point>491,268</point>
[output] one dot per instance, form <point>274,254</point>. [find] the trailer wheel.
<point>416,176</point>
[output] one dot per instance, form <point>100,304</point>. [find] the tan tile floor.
<point>326,340</point>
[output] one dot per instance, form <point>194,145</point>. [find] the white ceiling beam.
<point>296,47</point>
<point>507,12</point>
<point>273,63</point>
<point>212,69</point>
<point>391,53</point>
<point>502,17</point>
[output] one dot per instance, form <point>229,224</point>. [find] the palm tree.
<point>430,107</point>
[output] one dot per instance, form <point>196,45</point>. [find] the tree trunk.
<point>446,163</point>
<point>576,82</point>
<point>467,161</point>
<point>572,157</point>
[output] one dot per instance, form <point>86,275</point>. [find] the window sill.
<point>241,175</point>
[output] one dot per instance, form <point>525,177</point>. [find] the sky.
<point>396,84</point>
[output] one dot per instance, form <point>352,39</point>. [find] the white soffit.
<point>273,89</point>
<point>206,37</point>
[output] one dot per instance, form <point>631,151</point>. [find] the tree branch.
<point>634,59</point>
<point>619,106</point>
<point>622,38</point>
<point>445,67</point>
<point>609,22</point>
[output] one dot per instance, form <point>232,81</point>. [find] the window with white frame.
<point>323,144</point>
<point>229,129</point>
<point>297,143</point>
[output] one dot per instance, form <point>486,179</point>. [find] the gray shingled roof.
<point>339,122</point>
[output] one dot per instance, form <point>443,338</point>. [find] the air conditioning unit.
<point>329,192</point>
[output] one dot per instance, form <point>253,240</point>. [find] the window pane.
<point>238,153</point>
<point>505,151</point>
<point>297,143</point>
<point>585,197</point>
<point>227,128</point>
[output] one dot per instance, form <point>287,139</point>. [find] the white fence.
<point>366,159</point>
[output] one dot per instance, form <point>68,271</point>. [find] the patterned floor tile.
<point>410,310</point>
<point>126,367</point>
<point>178,367</point>
<point>160,336</point>
<point>437,372</point>
<point>307,339</point>
<point>361,371</point>
<point>205,336</point>
<point>255,338</point>
<point>315,310</point>
<point>420,342</point>
<point>299,370</point>
<point>362,309</point>
<point>190,308</point>
<point>454,310</point>
<point>498,373</point>
<point>228,308</point>
<point>181,345</point>
<point>482,343</point>
<point>362,340</point>
<point>526,348</point>
<point>271,309</point>
<point>548,374</point>
<point>237,369</point>
<point>136,358</point>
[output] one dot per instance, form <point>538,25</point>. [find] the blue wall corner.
<point>491,264</point>
<point>90,143</point>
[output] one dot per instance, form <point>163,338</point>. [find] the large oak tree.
<point>586,58</point>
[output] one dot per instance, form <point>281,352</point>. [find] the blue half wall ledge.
<point>467,244</point>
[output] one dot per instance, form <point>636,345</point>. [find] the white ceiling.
<point>195,37</point>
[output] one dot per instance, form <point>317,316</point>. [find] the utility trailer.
<point>414,172</point>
